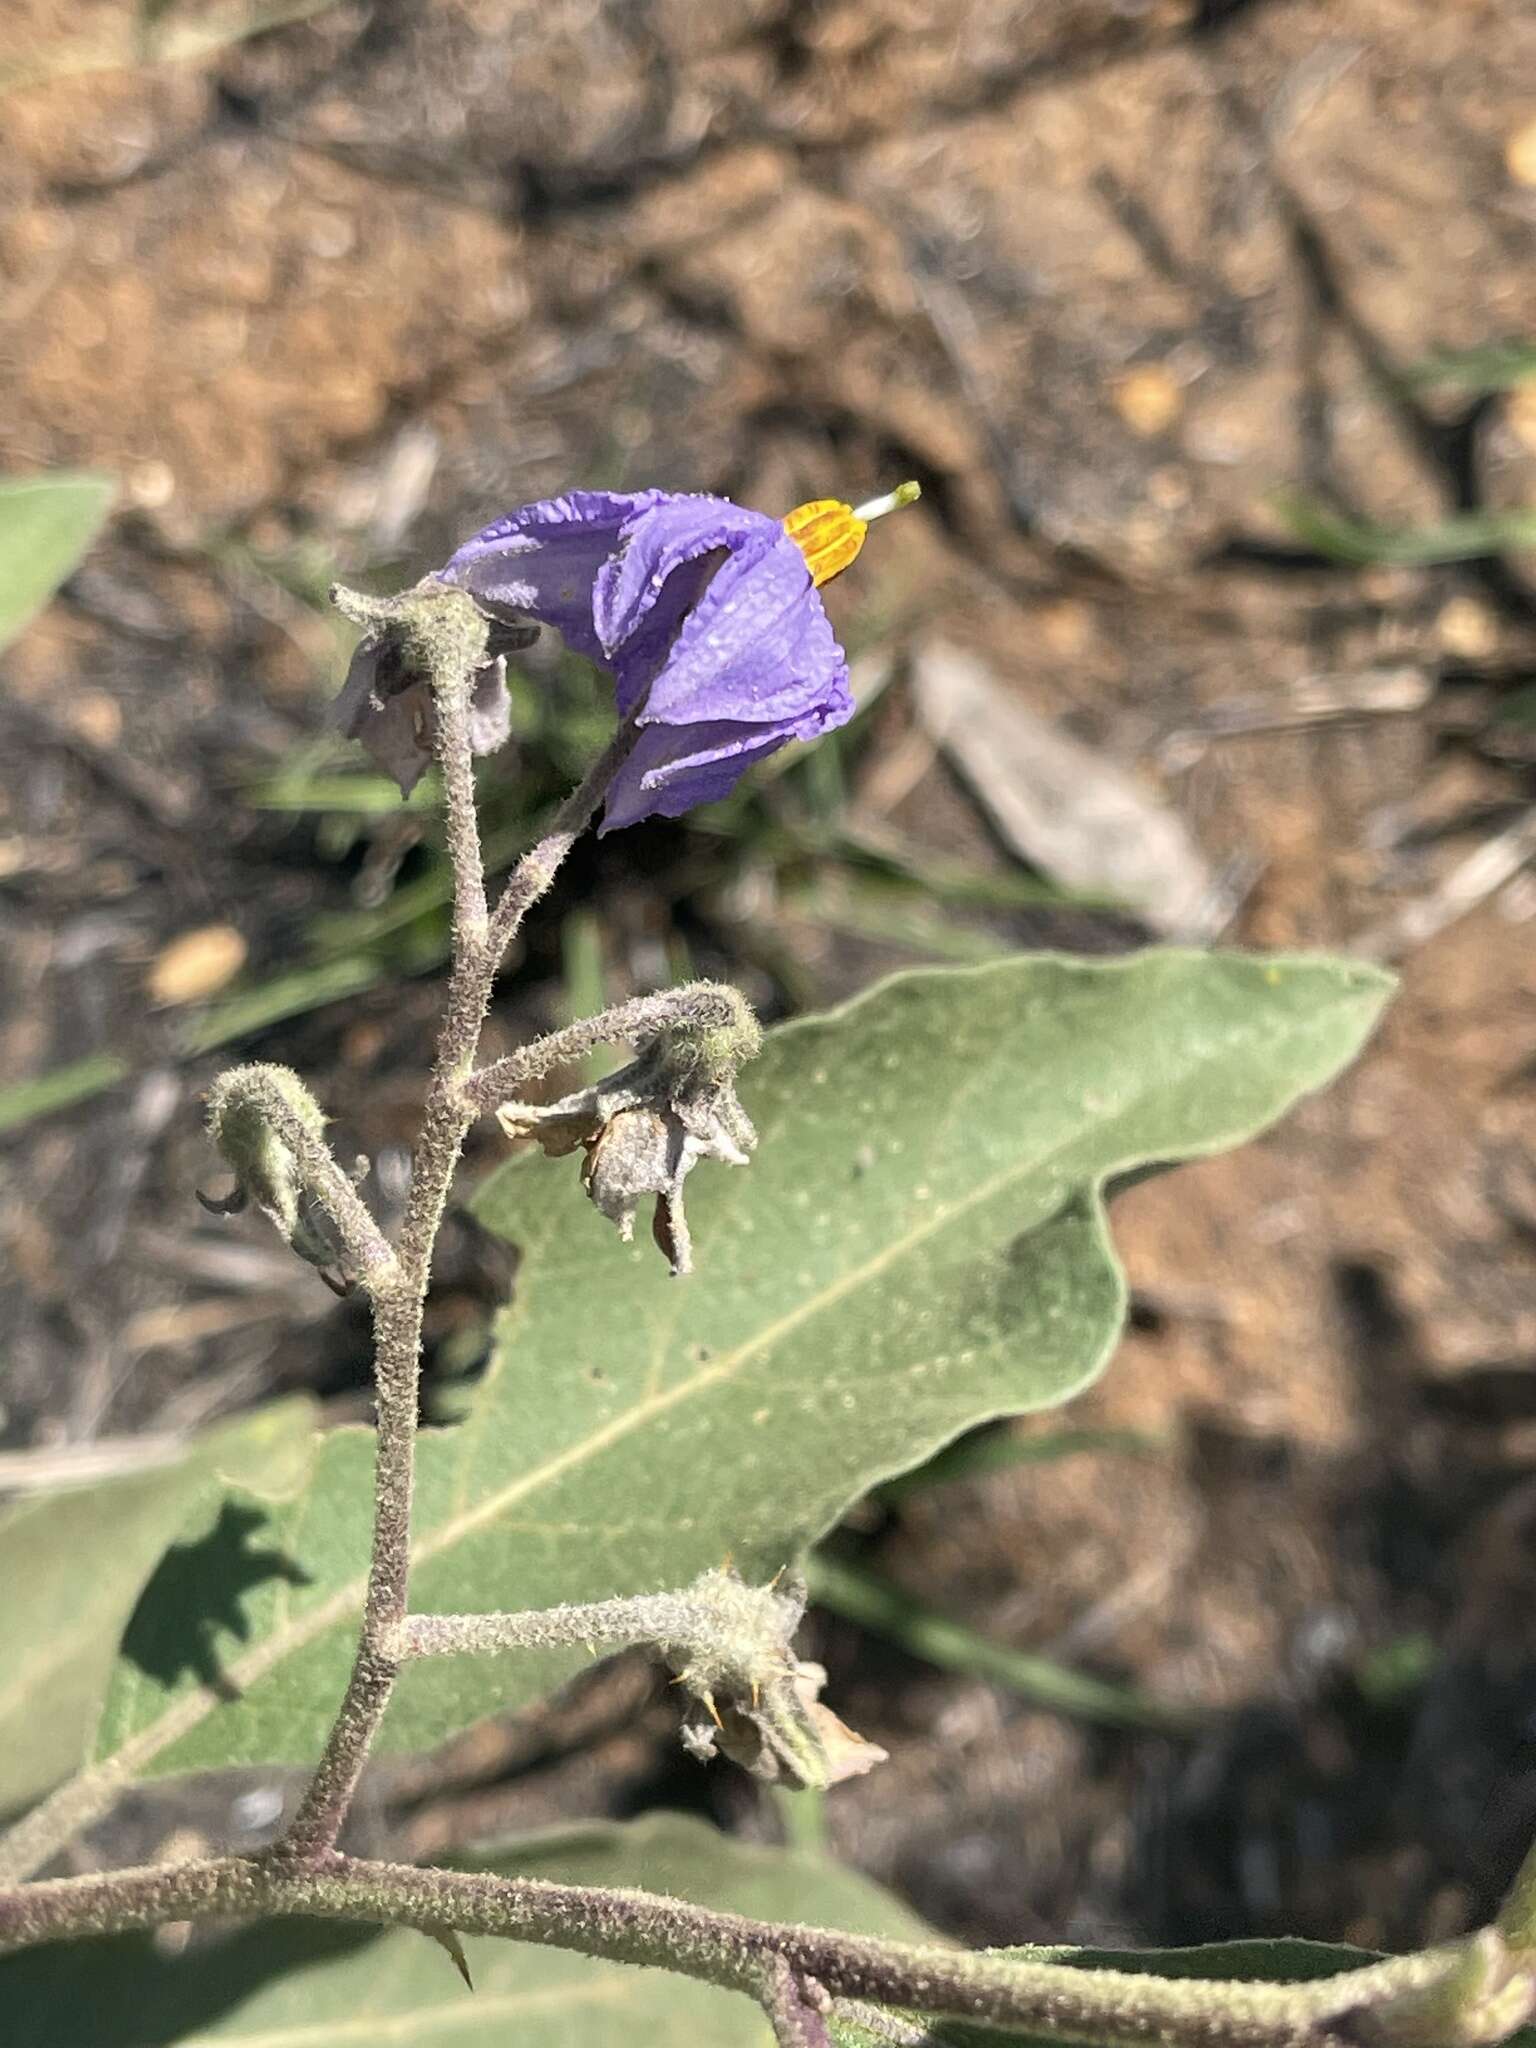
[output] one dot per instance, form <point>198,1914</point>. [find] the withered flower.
<point>755,1701</point>
<point>387,705</point>
<point>645,1128</point>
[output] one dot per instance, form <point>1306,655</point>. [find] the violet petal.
<point>670,769</point>
<point>758,645</point>
<point>655,544</point>
<point>542,560</point>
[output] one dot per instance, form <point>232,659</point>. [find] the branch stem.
<point>539,866</point>
<point>601,1625</point>
<point>702,1003</point>
<point>1463,1995</point>
<point>449,642</point>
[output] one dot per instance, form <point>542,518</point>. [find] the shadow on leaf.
<point>125,1993</point>
<point>196,1596</point>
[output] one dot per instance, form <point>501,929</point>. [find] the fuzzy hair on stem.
<point>1470,1993</point>
<point>445,633</point>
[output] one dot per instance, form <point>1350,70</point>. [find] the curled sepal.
<point>645,1128</point>
<point>752,1699</point>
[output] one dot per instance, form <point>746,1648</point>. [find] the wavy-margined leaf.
<point>46,525</point>
<point>72,1568</point>
<point>306,1985</point>
<point>918,1245</point>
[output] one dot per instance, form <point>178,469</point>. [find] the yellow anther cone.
<point>829,533</point>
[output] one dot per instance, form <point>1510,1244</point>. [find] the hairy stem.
<point>539,866</point>
<point>449,641</point>
<point>39,1835</point>
<point>678,1620</point>
<point>1464,1995</point>
<point>705,1004</point>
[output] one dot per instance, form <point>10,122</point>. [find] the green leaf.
<point>1498,366</point>
<point>302,1985</point>
<point>47,524</point>
<point>72,1567</point>
<point>60,1088</point>
<point>884,1609</point>
<point>918,1245</point>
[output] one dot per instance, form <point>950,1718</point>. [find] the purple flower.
<point>706,614</point>
<point>705,611</point>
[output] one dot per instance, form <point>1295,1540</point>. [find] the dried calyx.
<point>752,1699</point>
<point>387,701</point>
<point>645,1128</point>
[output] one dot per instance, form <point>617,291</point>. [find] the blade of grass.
<point>1498,366</point>
<point>138,40</point>
<point>1357,541</point>
<point>803,1816</point>
<point>883,1609</point>
<point>78,1082</point>
<point>909,925</point>
<point>348,931</point>
<point>285,995</point>
<point>238,1016</point>
<point>354,796</point>
<point>997,1450</point>
<point>586,988</point>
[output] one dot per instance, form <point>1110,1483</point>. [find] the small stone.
<point>1520,154</point>
<point>196,966</point>
<point>1467,629</point>
<point>97,718</point>
<point>1148,399</point>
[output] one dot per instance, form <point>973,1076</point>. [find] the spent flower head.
<point>646,1127</point>
<point>753,1699</point>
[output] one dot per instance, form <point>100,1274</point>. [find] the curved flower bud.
<point>266,1170</point>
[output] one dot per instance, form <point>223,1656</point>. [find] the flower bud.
<point>266,1172</point>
